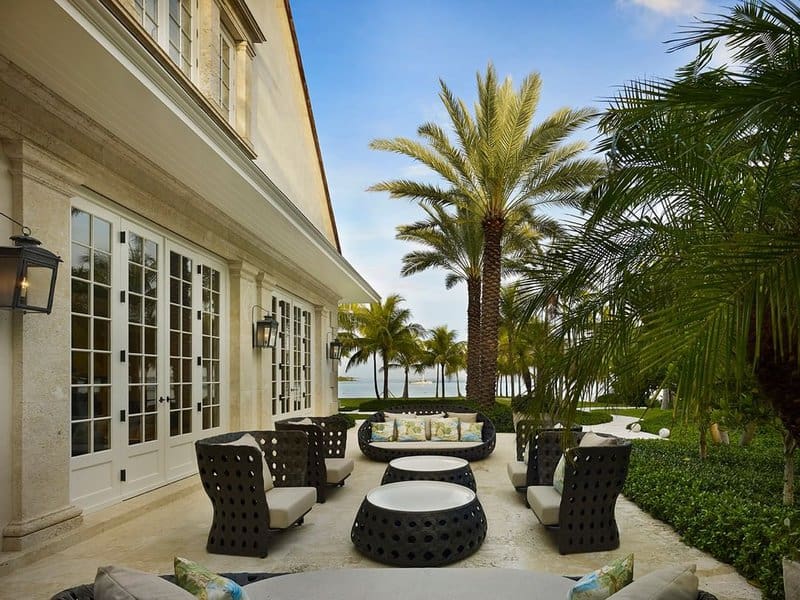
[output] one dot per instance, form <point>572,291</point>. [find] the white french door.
<point>291,367</point>
<point>159,382</point>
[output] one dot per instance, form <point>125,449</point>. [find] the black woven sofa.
<point>398,449</point>
<point>327,444</point>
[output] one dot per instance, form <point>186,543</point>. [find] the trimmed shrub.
<point>728,505</point>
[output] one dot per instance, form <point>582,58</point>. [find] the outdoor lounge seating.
<point>360,584</point>
<point>386,451</point>
<point>582,514</point>
<point>254,491</point>
<point>86,591</point>
<point>327,444</point>
<point>536,463</point>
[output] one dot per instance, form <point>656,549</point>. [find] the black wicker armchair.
<point>243,519</point>
<point>582,516</point>
<point>86,591</point>
<point>327,444</point>
<point>543,454</point>
<point>468,452</point>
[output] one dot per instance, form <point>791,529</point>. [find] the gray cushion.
<point>120,583</point>
<point>464,417</point>
<point>592,440</point>
<point>338,469</point>
<point>287,504</point>
<point>677,582</point>
<point>424,445</point>
<point>517,473</point>
<point>545,502</point>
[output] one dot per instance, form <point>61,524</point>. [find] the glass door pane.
<point>180,344</point>
<point>143,322</point>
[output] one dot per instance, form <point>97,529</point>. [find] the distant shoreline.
<point>347,378</point>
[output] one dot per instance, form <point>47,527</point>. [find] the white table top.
<point>401,584</point>
<point>428,463</point>
<point>420,496</point>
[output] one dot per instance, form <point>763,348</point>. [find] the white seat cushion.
<point>517,473</point>
<point>338,469</point>
<point>545,502</point>
<point>120,583</point>
<point>425,445</point>
<point>287,504</point>
<point>676,582</point>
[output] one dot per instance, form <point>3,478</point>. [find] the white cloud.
<point>669,8</point>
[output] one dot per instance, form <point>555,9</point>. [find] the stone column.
<point>243,401</point>
<point>244,68</point>
<point>40,390</point>
<point>208,30</point>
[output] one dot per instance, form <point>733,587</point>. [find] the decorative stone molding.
<point>37,164</point>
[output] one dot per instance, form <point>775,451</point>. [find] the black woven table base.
<point>429,539</point>
<point>461,476</point>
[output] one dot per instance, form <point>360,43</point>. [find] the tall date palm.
<point>493,163</point>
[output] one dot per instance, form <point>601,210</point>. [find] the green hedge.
<point>728,505</point>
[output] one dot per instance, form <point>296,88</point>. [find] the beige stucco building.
<point>166,150</point>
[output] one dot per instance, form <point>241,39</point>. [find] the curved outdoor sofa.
<point>386,451</point>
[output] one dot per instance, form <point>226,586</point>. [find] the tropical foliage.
<point>689,258</point>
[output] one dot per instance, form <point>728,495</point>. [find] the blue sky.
<point>373,70</point>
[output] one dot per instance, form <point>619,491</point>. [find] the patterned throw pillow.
<point>558,474</point>
<point>444,430</point>
<point>410,430</point>
<point>205,584</point>
<point>471,432</point>
<point>600,584</point>
<point>383,432</point>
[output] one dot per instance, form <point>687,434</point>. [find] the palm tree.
<point>497,164</point>
<point>453,242</point>
<point>410,357</point>
<point>443,351</point>
<point>692,240</point>
<point>381,328</point>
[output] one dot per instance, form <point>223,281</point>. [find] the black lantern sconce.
<point>27,274</point>
<point>265,331</point>
<point>335,349</point>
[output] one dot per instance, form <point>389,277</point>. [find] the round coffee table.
<point>419,523</point>
<point>431,468</point>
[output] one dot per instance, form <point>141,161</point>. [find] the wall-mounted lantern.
<point>335,349</point>
<point>265,331</point>
<point>27,274</point>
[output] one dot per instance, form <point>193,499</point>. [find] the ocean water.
<point>365,388</point>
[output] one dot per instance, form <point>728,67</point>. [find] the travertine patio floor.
<point>148,531</point>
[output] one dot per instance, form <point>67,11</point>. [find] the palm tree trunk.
<point>405,384</point>
<point>385,376</point>
<point>444,395</point>
<point>473,338</point>
<point>375,374</point>
<point>777,373</point>
<point>458,386</point>
<point>437,382</point>
<point>490,307</point>
<point>526,378</point>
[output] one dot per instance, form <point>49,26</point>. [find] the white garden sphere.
<point>636,427</point>
<point>663,432</point>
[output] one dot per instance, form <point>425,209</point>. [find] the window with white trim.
<point>176,34</point>
<point>227,59</point>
